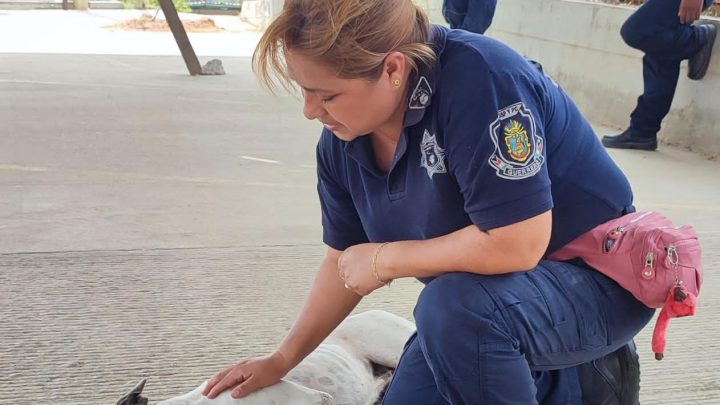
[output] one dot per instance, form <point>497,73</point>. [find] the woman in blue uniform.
<point>447,157</point>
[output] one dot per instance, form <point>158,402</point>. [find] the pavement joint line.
<point>166,249</point>
<point>82,84</point>
<point>149,177</point>
<point>254,159</point>
<point>214,100</point>
<point>20,168</point>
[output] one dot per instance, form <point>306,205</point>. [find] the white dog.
<point>351,367</point>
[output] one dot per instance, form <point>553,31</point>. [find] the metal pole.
<point>186,49</point>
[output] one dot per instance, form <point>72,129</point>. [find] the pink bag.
<point>660,264</point>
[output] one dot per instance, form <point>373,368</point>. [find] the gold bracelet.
<point>374,265</point>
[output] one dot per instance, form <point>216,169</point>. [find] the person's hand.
<point>248,376</point>
<point>690,10</point>
<point>355,266</point>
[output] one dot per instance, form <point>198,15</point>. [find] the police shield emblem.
<point>518,149</point>
<point>433,156</point>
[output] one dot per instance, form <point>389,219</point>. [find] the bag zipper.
<point>617,232</point>
<point>649,263</point>
<point>672,257</point>
<point>648,271</point>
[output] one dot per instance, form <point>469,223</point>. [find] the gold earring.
<point>396,82</point>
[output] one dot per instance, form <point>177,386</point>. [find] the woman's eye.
<point>327,99</point>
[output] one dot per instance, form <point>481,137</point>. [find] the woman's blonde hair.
<point>351,37</point>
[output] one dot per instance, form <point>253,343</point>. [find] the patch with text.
<point>518,149</point>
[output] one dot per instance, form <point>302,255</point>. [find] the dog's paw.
<point>325,399</point>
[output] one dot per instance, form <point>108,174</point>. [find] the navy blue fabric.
<point>470,15</point>
<point>489,140</point>
<point>513,338</point>
<point>413,382</point>
<point>655,29</point>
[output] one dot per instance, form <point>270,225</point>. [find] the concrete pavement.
<point>158,225</point>
<point>90,32</point>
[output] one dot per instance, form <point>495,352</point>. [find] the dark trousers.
<point>514,338</point>
<point>655,29</point>
<point>469,15</point>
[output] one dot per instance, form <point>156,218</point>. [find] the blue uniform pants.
<point>655,29</point>
<point>469,15</point>
<point>513,338</point>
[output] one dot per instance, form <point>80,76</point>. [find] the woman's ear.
<point>395,68</point>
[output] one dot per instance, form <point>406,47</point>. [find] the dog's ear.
<point>133,397</point>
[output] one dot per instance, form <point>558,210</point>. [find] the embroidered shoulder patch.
<point>433,156</point>
<point>420,97</point>
<point>518,148</point>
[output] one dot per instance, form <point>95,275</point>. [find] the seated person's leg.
<point>484,336</point>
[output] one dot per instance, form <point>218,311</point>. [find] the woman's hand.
<point>248,376</point>
<point>690,10</point>
<point>355,266</point>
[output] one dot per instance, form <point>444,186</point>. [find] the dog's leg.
<point>378,336</point>
<point>381,383</point>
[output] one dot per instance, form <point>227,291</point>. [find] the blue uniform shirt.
<point>488,140</point>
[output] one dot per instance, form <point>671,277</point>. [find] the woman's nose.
<point>312,109</point>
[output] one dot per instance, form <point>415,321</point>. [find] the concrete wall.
<point>579,44</point>
<point>260,13</point>
<point>434,9</point>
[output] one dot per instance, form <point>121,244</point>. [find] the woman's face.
<point>350,107</point>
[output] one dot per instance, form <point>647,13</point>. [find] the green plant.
<point>180,5</point>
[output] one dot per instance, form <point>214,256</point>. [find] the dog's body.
<point>282,393</point>
<point>340,371</point>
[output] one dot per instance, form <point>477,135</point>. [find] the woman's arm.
<point>515,247</point>
<point>327,305</point>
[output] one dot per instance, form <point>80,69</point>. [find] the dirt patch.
<point>147,23</point>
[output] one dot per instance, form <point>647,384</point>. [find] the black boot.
<point>630,139</point>
<point>613,379</point>
<point>698,64</point>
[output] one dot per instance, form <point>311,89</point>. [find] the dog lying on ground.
<point>351,367</point>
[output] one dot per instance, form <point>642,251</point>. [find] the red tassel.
<point>678,303</point>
